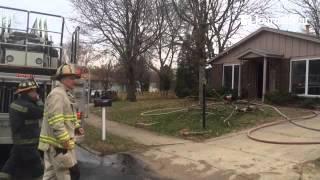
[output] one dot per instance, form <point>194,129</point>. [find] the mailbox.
<point>103,102</point>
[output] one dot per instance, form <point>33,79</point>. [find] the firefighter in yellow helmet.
<point>25,113</point>
<point>59,127</point>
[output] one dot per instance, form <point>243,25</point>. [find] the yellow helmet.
<point>67,70</point>
<point>27,85</point>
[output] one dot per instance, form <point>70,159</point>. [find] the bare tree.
<point>143,74</point>
<point>104,72</point>
<point>161,56</point>
<point>308,9</point>
<point>129,26</point>
<point>86,53</point>
<point>199,15</point>
<point>212,23</point>
<point>226,27</point>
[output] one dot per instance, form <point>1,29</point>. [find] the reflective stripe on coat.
<point>59,120</point>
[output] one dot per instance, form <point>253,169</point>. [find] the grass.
<point>190,119</point>
<point>113,144</point>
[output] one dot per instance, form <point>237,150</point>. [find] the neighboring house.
<point>95,82</point>
<point>154,85</point>
<point>270,60</point>
<point>98,84</point>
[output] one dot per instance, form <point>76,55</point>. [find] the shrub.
<point>281,98</point>
<point>212,93</point>
<point>285,98</point>
<point>310,103</point>
<point>183,93</point>
<point>225,91</point>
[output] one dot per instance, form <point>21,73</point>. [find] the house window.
<point>231,76</point>
<point>314,77</point>
<point>298,76</point>
<point>305,77</point>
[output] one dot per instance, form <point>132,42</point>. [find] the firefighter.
<point>59,127</point>
<point>25,114</point>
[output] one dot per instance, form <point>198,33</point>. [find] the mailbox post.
<point>104,103</point>
<point>104,131</point>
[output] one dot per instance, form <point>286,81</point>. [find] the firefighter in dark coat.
<point>24,115</point>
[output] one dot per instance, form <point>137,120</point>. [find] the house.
<point>270,60</point>
<point>98,83</point>
<point>154,82</point>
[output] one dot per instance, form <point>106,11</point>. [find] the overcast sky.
<point>58,7</point>
<point>64,8</point>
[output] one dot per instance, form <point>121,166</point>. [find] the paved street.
<point>115,167</point>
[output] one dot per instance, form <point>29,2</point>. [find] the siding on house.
<point>283,43</point>
<point>284,74</point>
<point>290,47</point>
<point>216,79</point>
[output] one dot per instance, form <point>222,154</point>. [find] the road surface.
<point>114,167</point>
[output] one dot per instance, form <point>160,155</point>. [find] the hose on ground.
<point>174,110</point>
<point>251,131</point>
<point>292,120</point>
<point>180,109</point>
<point>287,119</point>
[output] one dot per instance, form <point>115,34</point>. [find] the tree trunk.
<point>131,85</point>
<point>201,45</point>
<point>161,83</point>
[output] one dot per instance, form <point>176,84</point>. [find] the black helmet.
<point>27,85</point>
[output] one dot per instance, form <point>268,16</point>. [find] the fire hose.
<point>173,110</point>
<point>250,133</point>
<point>287,119</point>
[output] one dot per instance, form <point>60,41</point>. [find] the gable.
<point>279,43</point>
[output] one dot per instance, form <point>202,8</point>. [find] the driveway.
<point>235,157</point>
<point>115,167</point>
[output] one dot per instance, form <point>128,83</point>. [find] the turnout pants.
<point>24,163</point>
<point>60,164</point>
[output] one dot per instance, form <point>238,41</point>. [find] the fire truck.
<point>28,50</point>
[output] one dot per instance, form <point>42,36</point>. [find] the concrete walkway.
<point>138,135</point>
<point>230,157</point>
<point>235,157</point>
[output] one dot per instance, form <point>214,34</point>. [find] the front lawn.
<point>187,120</point>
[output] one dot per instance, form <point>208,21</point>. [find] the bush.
<point>281,98</point>
<point>285,98</point>
<point>310,103</point>
<point>212,93</point>
<point>183,93</point>
<point>225,91</point>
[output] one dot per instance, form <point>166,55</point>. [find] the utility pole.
<point>204,103</point>
<point>204,123</point>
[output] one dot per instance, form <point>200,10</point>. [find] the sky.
<point>64,8</point>
<point>58,7</point>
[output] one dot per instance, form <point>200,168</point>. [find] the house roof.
<point>259,53</point>
<point>307,37</point>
